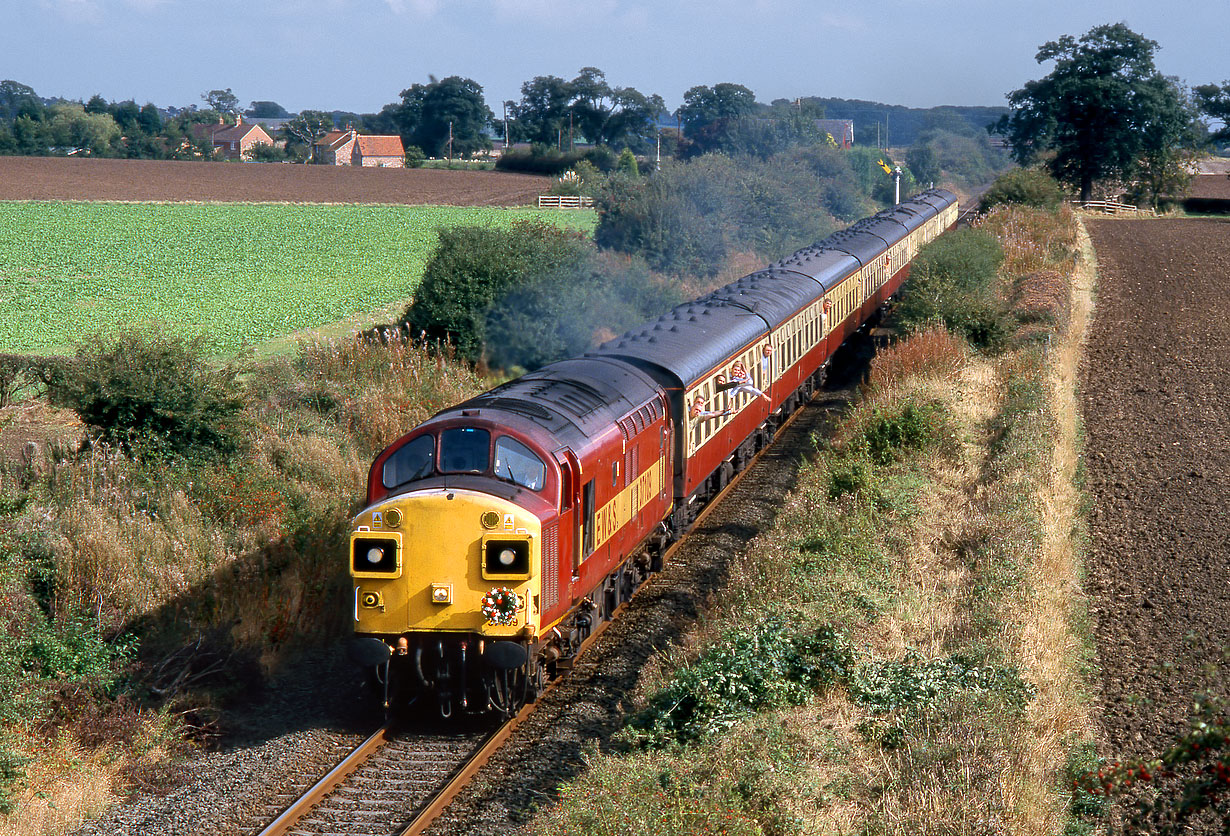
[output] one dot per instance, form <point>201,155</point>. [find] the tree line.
<point>450,117</point>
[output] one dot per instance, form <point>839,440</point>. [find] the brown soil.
<point>1156,392</point>
<point>58,178</point>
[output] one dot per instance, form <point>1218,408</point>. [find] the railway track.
<point>399,783</point>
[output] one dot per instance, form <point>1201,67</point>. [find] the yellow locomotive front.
<point>446,582</point>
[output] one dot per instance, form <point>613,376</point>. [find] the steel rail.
<point>291,816</point>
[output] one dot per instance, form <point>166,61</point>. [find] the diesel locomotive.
<point>500,532</point>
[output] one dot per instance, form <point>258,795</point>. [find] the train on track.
<point>499,533</point>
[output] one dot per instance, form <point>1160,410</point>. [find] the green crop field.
<point>243,274</point>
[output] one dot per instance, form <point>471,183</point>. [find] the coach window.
<point>465,450</point>
<point>518,464</point>
<point>415,460</point>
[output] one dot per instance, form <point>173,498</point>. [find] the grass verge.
<point>903,653</point>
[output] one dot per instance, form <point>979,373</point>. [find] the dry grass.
<point>1050,649</point>
<point>68,784</point>
<point>241,556</point>
<point>933,353</point>
<point>1033,240</point>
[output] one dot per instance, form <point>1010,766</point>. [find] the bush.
<point>529,295</point>
<point>955,280</point>
<point>886,433</point>
<point>474,266</point>
<point>415,157</point>
<point>153,390</point>
<point>764,666</point>
<point>1025,187</point>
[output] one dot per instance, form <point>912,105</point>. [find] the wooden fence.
<point>564,201</point>
<point>1113,207</point>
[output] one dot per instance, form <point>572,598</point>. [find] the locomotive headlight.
<point>375,557</point>
<point>505,557</point>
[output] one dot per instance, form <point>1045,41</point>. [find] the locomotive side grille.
<point>550,568</point>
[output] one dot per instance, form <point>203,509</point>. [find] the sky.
<point>358,55</point>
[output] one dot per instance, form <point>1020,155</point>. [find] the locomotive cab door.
<point>570,509</point>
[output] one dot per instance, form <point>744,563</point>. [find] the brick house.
<point>350,148</point>
<point>233,142</point>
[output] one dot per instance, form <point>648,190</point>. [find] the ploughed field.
<point>1156,392</point>
<point>59,178</point>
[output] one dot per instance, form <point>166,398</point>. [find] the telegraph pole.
<point>450,142</point>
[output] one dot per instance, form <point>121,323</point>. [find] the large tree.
<point>451,107</point>
<point>17,99</point>
<point>620,117</point>
<point>1099,110</point>
<point>305,129</point>
<point>1214,101</point>
<point>223,101</point>
<point>542,113</point>
<point>712,115</point>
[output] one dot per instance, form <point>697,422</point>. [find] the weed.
<point>765,666</point>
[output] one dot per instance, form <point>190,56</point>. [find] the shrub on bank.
<point>155,391</point>
<point>955,281</point>
<point>1030,187</point>
<point>529,295</point>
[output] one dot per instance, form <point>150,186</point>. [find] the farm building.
<point>350,148</point>
<point>233,142</point>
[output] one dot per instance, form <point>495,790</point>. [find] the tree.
<point>542,113</point>
<point>1097,111</point>
<point>615,116</point>
<point>305,129</point>
<point>923,161</point>
<point>707,111</point>
<point>126,115</point>
<point>1214,101</point>
<point>223,101</point>
<point>150,120</point>
<point>266,110</point>
<point>71,127</point>
<point>97,104</point>
<point>449,110</point>
<point>18,99</point>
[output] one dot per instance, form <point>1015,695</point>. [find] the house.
<point>841,130</point>
<point>233,142</point>
<point>350,148</point>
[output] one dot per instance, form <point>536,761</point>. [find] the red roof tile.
<point>381,146</point>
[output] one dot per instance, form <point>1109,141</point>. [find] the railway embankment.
<point>904,649</point>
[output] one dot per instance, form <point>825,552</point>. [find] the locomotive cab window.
<point>465,450</point>
<point>415,460</point>
<point>516,463</point>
